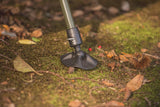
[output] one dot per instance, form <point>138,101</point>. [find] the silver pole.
<point>67,14</point>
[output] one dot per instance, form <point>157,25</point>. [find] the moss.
<point>131,36</point>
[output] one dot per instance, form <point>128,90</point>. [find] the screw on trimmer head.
<point>78,58</point>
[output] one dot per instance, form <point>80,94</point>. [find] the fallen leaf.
<point>140,61</point>
<point>112,65</point>
<point>107,83</point>
<point>76,103</point>
<point>135,83</point>
<point>77,13</point>
<point>97,8</point>
<point>113,10</point>
<point>37,33</point>
<point>111,54</point>
<point>15,10</point>
<point>21,66</point>
<point>6,27</point>
<point>123,58</point>
<point>158,45</point>
<point>127,94</point>
<point>127,55</point>
<point>144,50</point>
<point>26,41</point>
<point>17,29</point>
<point>4,83</point>
<point>114,104</point>
<point>36,39</point>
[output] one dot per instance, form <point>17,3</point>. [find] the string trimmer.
<point>79,58</point>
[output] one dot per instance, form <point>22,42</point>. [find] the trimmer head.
<point>79,59</point>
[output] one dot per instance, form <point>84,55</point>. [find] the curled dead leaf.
<point>111,54</point>
<point>123,58</point>
<point>140,61</point>
<point>37,33</point>
<point>17,29</point>
<point>6,27</point>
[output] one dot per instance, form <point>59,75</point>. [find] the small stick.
<point>57,75</point>
<point>8,89</point>
<point>81,78</point>
<point>149,102</point>
<point>156,57</point>
<point>4,41</point>
<point>6,57</point>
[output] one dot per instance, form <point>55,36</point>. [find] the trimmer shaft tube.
<point>78,58</point>
<point>67,14</point>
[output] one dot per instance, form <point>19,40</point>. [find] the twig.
<point>57,75</point>
<point>6,57</point>
<point>156,57</point>
<point>4,41</point>
<point>8,89</point>
<point>149,102</point>
<point>87,79</point>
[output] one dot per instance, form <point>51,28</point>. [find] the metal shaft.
<point>67,14</point>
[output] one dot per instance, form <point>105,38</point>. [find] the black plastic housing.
<point>74,37</point>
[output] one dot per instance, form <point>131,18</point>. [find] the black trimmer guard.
<point>79,59</point>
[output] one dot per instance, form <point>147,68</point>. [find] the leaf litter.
<point>21,66</point>
<point>133,85</point>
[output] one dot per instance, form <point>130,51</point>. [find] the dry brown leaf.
<point>144,50</point>
<point>114,104</point>
<point>37,33</point>
<point>77,13</point>
<point>107,83</point>
<point>123,58</point>
<point>97,8</point>
<point>76,103</point>
<point>6,27</point>
<point>140,61</point>
<point>127,94</point>
<point>127,55</point>
<point>17,28</point>
<point>158,45</point>
<point>4,83</point>
<point>113,10</point>
<point>111,54</point>
<point>112,65</point>
<point>135,83</point>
